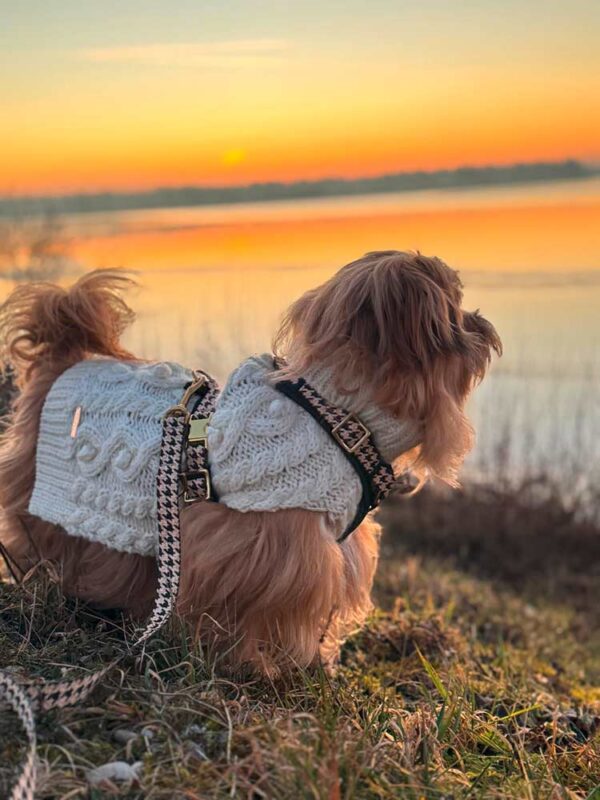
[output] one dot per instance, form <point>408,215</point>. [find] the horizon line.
<point>591,167</point>
<point>275,191</point>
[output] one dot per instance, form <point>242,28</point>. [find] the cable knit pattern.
<point>265,452</point>
<point>101,485</point>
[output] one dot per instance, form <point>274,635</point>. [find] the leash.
<point>183,461</point>
<point>184,464</point>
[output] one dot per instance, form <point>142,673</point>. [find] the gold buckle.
<point>198,381</point>
<point>342,443</point>
<point>181,408</point>
<point>197,473</point>
<point>198,431</point>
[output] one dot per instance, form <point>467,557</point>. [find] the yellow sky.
<point>256,91</point>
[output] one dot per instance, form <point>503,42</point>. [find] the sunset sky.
<point>143,93</point>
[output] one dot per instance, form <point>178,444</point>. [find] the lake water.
<point>215,280</point>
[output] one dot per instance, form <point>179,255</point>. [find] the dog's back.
<point>44,330</point>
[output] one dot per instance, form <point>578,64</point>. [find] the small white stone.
<point>114,771</point>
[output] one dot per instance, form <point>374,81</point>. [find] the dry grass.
<point>467,682</point>
<point>477,677</point>
<point>525,538</point>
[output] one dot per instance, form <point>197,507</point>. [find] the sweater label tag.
<point>75,422</point>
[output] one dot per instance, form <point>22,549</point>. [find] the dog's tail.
<point>43,323</point>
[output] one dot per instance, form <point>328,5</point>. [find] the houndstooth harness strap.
<point>183,471</point>
<point>356,443</point>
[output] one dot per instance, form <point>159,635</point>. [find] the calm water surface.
<point>216,279</point>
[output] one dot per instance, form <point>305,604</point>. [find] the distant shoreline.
<point>186,196</point>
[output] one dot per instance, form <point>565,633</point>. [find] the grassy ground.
<point>478,676</point>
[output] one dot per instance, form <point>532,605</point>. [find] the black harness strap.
<point>354,440</point>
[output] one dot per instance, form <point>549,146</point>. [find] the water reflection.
<point>215,280</point>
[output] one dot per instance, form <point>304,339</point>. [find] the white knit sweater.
<point>101,484</point>
<point>265,452</point>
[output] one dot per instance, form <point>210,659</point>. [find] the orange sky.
<point>122,99</point>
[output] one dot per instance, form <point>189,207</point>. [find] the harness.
<point>184,475</point>
<point>354,440</point>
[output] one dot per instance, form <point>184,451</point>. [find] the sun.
<point>233,157</point>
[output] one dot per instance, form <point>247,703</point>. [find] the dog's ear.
<point>414,310</point>
<point>421,329</point>
<point>391,328</point>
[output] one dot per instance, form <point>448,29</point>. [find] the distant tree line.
<point>328,187</point>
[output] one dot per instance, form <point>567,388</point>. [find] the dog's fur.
<point>269,587</point>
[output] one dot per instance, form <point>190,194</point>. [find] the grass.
<point>468,681</point>
<point>478,676</point>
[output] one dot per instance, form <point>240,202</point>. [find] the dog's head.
<point>391,327</point>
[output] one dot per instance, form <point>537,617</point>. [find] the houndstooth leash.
<point>183,463</point>
<point>187,468</point>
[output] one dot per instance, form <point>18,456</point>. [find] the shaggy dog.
<point>270,587</point>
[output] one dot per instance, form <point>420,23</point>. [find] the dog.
<point>269,585</point>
